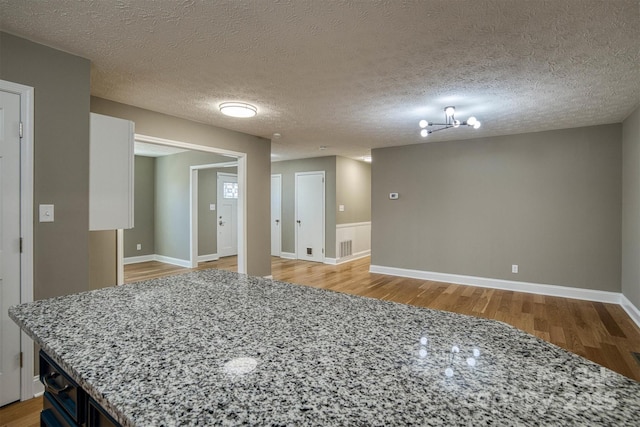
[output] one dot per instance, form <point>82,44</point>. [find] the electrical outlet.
<point>341,208</point>
<point>514,268</point>
<point>138,247</point>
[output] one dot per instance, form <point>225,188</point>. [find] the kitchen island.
<point>219,348</point>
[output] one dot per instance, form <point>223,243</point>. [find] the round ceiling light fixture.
<point>238,109</point>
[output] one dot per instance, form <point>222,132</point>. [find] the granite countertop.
<point>219,348</point>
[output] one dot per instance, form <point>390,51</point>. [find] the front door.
<point>309,224</point>
<point>9,245</point>
<point>227,219</point>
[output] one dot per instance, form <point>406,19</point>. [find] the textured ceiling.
<point>353,75</point>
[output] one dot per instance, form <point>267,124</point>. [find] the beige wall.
<point>258,167</point>
<point>549,202</point>
<point>144,210</point>
<point>102,259</point>
<point>631,208</point>
<point>353,190</point>
<point>288,170</point>
<point>61,160</point>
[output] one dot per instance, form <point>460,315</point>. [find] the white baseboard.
<point>330,261</point>
<point>38,388</point>
<point>137,259</point>
<point>532,288</point>
<point>270,277</point>
<point>631,309</point>
<point>174,261</point>
<point>288,255</point>
<point>354,257</point>
<point>210,257</point>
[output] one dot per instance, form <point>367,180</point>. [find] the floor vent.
<point>636,356</point>
<point>345,248</point>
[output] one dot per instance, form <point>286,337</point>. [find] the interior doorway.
<point>276,215</point>
<point>239,160</point>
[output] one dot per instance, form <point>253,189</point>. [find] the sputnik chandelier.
<point>449,122</point>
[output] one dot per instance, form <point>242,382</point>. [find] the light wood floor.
<point>600,332</point>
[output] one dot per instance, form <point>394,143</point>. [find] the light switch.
<point>46,213</point>
<point>341,208</point>
<point>212,207</point>
<point>393,196</point>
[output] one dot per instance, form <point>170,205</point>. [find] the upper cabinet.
<point>111,173</point>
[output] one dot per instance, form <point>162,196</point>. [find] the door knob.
<point>221,223</point>
<point>277,221</point>
<point>299,222</point>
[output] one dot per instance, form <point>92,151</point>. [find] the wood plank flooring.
<point>603,333</point>
<point>22,414</point>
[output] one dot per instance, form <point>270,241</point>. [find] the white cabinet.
<point>111,173</point>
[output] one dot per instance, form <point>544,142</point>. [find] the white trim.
<point>330,261</point>
<point>631,309</point>
<point>532,288</point>
<point>26,223</point>
<point>119,257</point>
<point>278,236</point>
<point>37,387</point>
<point>270,277</point>
<point>242,194</point>
<point>193,217</point>
<point>174,261</point>
<point>353,257</point>
<point>139,259</point>
<point>354,224</point>
<point>215,165</point>
<point>209,257</point>
<point>219,202</point>
<point>288,255</point>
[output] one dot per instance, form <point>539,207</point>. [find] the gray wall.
<point>258,167</point>
<point>353,190</point>
<point>207,219</point>
<point>102,259</point>
<point>288,170</point>
<point>144,209</point>
<point>172,231</point>
<point>548,201</point>
<point>61,160</point>
<point>631,208</point>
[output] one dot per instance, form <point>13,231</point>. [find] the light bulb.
<point>471,121</point>
<point>449,111</point>
<point>477,124</point>
<point>456,123</point>
<point>424,133</point>
<point>423,124</point>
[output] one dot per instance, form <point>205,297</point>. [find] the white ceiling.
<point>353,75</point>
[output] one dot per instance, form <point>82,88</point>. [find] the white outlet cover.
<point>46,213</point>
<point>341,208</point>
<point>212,207</point>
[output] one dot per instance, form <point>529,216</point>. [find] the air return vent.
<point>346,248</point>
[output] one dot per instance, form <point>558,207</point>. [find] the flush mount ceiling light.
<point>449,122</point>
<point>238,109</point>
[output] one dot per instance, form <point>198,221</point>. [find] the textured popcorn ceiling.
<point>353,75</point>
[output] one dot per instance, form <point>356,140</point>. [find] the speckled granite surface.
<point>218,348</point>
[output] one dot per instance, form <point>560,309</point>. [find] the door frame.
<point>279,236</point>
<point>324,205</point>
<point>193,210</point>
<point>242,194</point>
<point>27,382</point>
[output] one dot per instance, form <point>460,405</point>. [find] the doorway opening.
<point>237,159</point>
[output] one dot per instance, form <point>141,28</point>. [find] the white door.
<point>310,216</point>
<point>276,208</point>
<point>227,214</point>
<point>9,245</point>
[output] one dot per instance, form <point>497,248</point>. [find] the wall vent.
<point>346,248</point>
